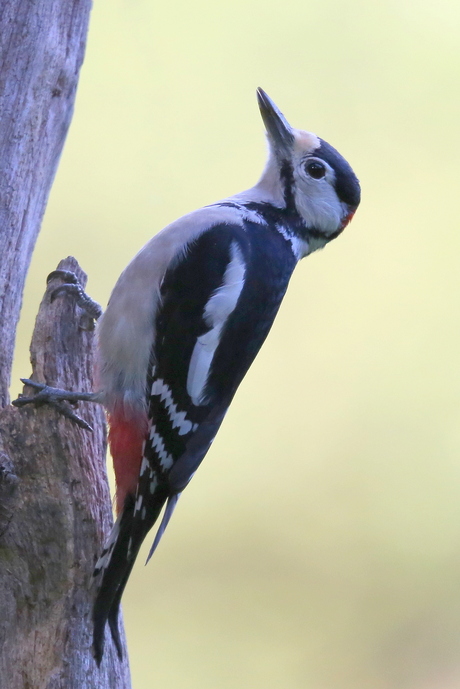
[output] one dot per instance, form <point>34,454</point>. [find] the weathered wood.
<point>54,499</point>
<point>41,50</point>
<point>57,513</point>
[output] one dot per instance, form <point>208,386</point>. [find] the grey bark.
<point>42,46</point>
<point>56,514</point>
<point>54,499</point>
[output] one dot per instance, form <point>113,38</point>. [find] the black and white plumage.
<point>185,321</point>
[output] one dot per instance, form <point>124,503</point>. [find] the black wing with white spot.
<point>217,304</point>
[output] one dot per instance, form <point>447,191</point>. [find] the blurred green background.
<point>318,547</point>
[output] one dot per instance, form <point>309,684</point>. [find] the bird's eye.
<point>315,169</point>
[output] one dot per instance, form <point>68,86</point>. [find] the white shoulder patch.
<point>122,368</point>
<point>216,312</point>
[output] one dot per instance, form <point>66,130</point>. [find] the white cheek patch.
<point>318,203</point>
<point>216,312</point>
<point>320,209</point>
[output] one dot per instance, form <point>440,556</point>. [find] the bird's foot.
<point>72,286</point>
<point>56,398</point>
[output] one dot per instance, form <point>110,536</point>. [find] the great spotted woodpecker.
<point>184,323</point>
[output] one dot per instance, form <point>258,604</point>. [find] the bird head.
<point>307,176</point>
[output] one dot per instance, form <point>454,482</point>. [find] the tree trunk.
<point>41,50</point>
<point>54,499</point>
<point>56,511</point>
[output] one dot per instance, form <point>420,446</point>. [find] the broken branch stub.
<point>57,517</point>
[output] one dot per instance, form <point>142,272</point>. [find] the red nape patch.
<point>126,437</point>
<point>347,219</point>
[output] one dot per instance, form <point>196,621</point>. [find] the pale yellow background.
<point>318,547</point>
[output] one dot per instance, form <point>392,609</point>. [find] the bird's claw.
<point>66,275</point>
<point>56,398</point>
<point>72,286</point>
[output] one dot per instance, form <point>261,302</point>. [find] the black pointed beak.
<point>278,128</point>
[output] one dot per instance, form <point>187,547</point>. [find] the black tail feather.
<point>112,617</point>
<point>116,570</point>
